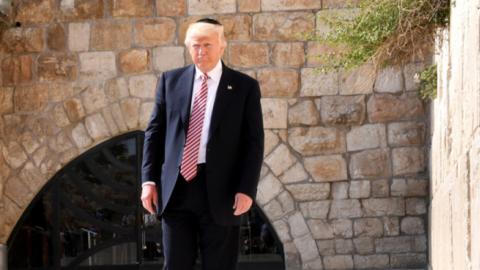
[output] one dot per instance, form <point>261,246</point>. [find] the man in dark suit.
<point>203,152</point>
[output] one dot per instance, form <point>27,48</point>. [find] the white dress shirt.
<point>214,76</point>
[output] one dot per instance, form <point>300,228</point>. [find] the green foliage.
<point>384,32</point>
<point>428,83</point>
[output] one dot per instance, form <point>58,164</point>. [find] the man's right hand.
<point>150,198</point>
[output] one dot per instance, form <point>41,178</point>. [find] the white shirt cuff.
<point>148,183</point>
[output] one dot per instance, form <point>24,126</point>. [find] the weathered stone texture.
<point>97,65</point>
<point>384,207</point>
<point>79,36</point>
<point>294,174</point>
<point>370,164</point>
<point>249,5</point>
<point>81,10</point>
<point>380,261</point>
<point>280,159</point>
<point>345,209</point>
<point>283,26</point>
<point>17,70</point>
<point>268,188</point>
<point>409,187</point>
<point>359,189</point>
<point>274,113</point>
<point>142,86</point>
<point>74,109</point>
<point>383,108</point>
<point>408,160</point>
<point>248,55</point>
<point>127,8</point>
<point>338,262</point>
<point>35,12</point>
<point>32,98</point>
<point>237,27</point>
<point>21,40</point>
<point>288,54</point>
<point>134,61</point>
<point>389,80</point>
<point>166,58</point>
<point>154,32</point>
<point>318,84</point>
<point>412,225</point>
<point>278,82</point>
<point>316,140</point>
<point>316,209</point>
<point>111,35</point>
<point>357,81</point>
<point>406,133</point>
<point>326,168</point>
<point>303,112</point>
<point>339,110</point>
<point>309,192</point>
<point>52,67</point>
<point>171,8</point>
<point>366,137</point>
<point>275,5</point>
<point>56,37</point>
<point>202,7</point>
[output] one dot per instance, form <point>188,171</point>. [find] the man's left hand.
<point>242,204</point>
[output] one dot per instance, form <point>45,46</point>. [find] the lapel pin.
<point>229,87</point>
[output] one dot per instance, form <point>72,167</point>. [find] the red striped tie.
<point>188,168</point>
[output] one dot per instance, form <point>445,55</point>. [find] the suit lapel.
<point>222,100</point>
<point>185,94</point>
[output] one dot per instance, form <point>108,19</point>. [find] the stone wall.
<point>344,179</point>
<point>455,153</point>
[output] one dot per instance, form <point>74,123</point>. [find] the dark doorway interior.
<point>89,216</point>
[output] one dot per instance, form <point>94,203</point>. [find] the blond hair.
<point>205,29</point>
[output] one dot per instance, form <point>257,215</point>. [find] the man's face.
<point>206,50</point>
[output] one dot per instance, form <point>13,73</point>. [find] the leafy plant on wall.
<point>385,32</point>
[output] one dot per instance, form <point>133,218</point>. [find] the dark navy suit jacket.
<point>234,149</point>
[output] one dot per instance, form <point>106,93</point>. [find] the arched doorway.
<point>89,216</point>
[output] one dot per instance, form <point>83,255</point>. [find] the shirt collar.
<point>213,74</point>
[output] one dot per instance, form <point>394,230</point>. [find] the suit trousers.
<point>188,226</point>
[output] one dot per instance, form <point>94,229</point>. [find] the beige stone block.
<point>342,228</point>
<point>134,61</point>
<point>6,100</point>
<point>318,53</point>
<point>286,202</point>
<point>276,5</point>
<point>317,84</point>
<point>154,32</point>
<point>96,127</point>
<point>409,187</point>
<point>268,188</point>
<point>342,110</point>
<point>343,246</point>
<point>298,226</point>
<point>53,67</point>
<point>409,260</point>
<point>29,142</point>
<point>108,117</point>
<point>283,26</point>
<point>366,137</point>
<point>380,188</point>
<point>78,37</point>
<point>391,226</point>
<point>359,189</point>
<point>32,98</point>
<point>80,10</point>
<point>237,27</point>
<point>371,227</point>
<point>60,143</point>
<point>249,5</point>
<point>23,40</point>
<point>280,160</point>
<point>18,192</point>
<point>248,55</point>
<point>274,112</point>
<point>316,209</point>
<point>340,190</point>
<point>60,116</point>
<point>294,174</point>
<point>81,137</point>
<point>327,168</point>
<point>273,210</point>
<point>338,262</point>
<point>384,108</point>
<point>339,3</point>
<point>412,225</point>
<point>74,109</point>
<point>408,160</point>
<point>320,229</point>
<point>288,54</point>
<point>357,81</point>
<point>384,207</point>
<point>326,247</point>
<point>278,82</point>
<point>56,37</point>
<point>363,245</point>
<point>389,80</point>
<point>111,35</point>
<point>345,209</point>
<point>17,70</point>
<point>316,140</point>
<point>370,164</point>
<point>282,230</point>
<point>271,141</point>
<point>410,72</point>
<point>93,98</point>
<point>309,192</point>
<point>303,112</point>
<point>35,12</point>
<point>406,133</point>
<point>130,110</point>
<point>171,8</point>
<point>116,89</point>
<point>14,155</point>
<point>128,8</point>
<point>206,7</point>
<point>376,261</point>
<point>166,58</point>
<point>97,65</point>
<point>314,264</point>
<point>118,117</point>
<point>416,206</point>
<point>394,244</point>
<point>306,247</point>
<point>142,86</point>
<point>325,15</point>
